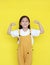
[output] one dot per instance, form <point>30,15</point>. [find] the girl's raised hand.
<point>36,22</point>
<point>12,24</point>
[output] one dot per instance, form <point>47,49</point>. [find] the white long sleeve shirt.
<point>34,32</point>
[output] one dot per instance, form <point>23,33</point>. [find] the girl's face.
<point>24,23</point>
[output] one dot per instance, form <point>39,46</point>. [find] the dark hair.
<point>20,27</point>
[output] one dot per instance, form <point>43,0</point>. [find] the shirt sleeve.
<point>35,32</point>
<point>14,33</point>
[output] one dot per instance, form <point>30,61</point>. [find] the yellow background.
<point>11,11</point>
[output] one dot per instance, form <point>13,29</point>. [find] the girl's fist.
<point>12,24</point>
<point>36,22</point>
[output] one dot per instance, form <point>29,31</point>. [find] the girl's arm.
<point>10,28</point>
<point>40,26</point>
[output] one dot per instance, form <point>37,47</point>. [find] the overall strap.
<point>19,32</point>
<point>19,35</point>
<point>30,31</point>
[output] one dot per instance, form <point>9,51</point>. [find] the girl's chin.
<point>25,27</point>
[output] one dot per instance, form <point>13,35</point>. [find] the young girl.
<point>25,35</point>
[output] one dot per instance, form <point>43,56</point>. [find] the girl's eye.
<point>22,21</point>
<point>25,21</point>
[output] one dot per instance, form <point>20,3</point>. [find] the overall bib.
<point>25,50</point>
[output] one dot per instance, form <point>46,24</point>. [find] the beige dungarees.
<point>25,50</point>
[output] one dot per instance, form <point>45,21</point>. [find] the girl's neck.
<point>25,29</point>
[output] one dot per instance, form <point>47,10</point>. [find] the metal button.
<point>27,52</point>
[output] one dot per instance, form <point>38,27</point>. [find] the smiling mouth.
<point>25,24</point>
